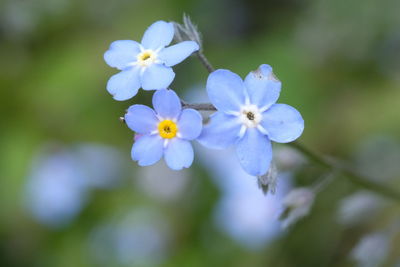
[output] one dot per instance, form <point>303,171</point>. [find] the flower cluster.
<point>247,115</point>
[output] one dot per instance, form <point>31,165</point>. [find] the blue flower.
<point>248,117</point>
<point>166,131</point>
<point>147,65</point>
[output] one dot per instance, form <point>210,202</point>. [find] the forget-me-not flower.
<point>147,65</point>
<point>166,130</point>
<point>248,117</point>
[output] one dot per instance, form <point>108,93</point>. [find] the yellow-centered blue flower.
<point>165,131</point>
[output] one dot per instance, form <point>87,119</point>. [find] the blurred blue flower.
<point>244,213</point>
<point>61,180</point>
<point>161,183</point>
<point>56,189</point>
<point>165,131</point>
<point>249,117</point>
<point>103,166</point>
<point>147,65</point>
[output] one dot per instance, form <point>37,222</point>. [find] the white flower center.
<point>146,58</point>
<point>250,116</point>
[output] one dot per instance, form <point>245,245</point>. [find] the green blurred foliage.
<point>338,61</point>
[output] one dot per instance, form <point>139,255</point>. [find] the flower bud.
<point>297,204</point>
<point>187,31</point>
<point>372,250</point>
<point>267,182</point>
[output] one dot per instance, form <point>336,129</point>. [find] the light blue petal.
<point>221,132</point>
<point>148,149</point>
<point>159,34</point>
<point>141,119</point>
<point>124,85</point>
<point>167,104</point>
<point>156,77</point>
<point>283,123</point>
<point>177,53</point>
<point>121,53</point>
<point>190,124</point>
<point>225,90</point>
<point>262,86</point>
<point>254,152</point>
<point>179,154</point>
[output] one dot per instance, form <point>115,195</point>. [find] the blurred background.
<point>71,196</point>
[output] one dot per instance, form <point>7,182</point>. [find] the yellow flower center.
<point>167,129</point>
<point>146,58</point>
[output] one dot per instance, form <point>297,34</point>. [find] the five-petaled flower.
<point>147,65</point>
<point>248,117</point>
<point>165,131</point>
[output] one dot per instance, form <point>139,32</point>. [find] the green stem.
<point>199,106</point>
<point>204,61</point>
<point>348,172</point>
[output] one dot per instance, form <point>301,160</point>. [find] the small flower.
<point>56,189</point>
<point>165,131</point>
<point>249,118</point>
<point>147,65</point>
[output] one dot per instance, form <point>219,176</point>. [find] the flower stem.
<point>334,166</point>
<point>204,61</point>
<point>348,172</point>
<point>199,106</point>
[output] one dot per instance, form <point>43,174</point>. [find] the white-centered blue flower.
<point>147,65</point>
<point>249,117</point>
<point>165,131</point>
